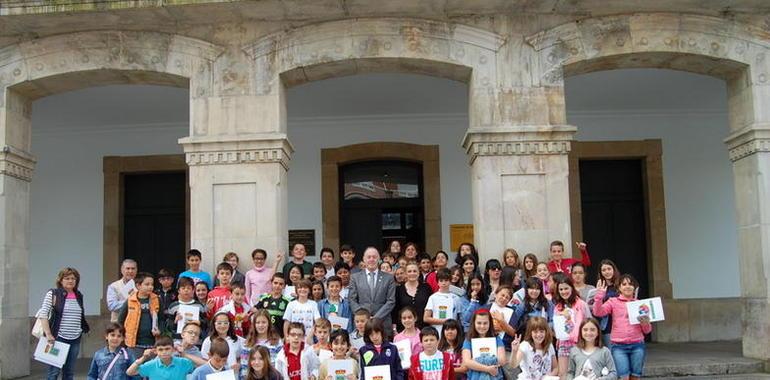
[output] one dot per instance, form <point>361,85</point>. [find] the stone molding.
<point>518,141</point>
<point>16,163</point>
<point>748,141</point>
<point>246,151</point>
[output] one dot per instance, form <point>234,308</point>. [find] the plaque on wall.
<point>460,233</point>
<point>304,237</point>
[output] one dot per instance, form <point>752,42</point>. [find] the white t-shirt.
<point>535,364</point>
<point>235,349</point>
<point>305,313</point>
<point>443,307</point>
<point>432,366</point>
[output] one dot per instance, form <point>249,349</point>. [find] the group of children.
<point>271,325</point>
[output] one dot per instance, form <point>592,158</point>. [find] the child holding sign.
<point>569,312</point>
<point>535,354</point>
<point>627,339</point>
<point>378,351</point>
<point>486,363</point>
<point>431,364</point>
<point>341,367</point>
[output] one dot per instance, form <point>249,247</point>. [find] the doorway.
<point>381,201</point>
<point>614,222</point>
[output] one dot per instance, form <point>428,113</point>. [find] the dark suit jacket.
<point>381,305</point>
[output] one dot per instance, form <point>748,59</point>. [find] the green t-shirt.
<point>307,268</point>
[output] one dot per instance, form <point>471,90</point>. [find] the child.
<point>441,305</point>
<point>542,273</point>
<point>327,258</point>
<point>193,259</point>
<point>319,272</point>
<point>590,359</point>
<point>167,295</point>
<point>238,277</point>
<point>493,271</point>
<point>223,328</point>
<point>534,304</point>
<point>164,366</point>
<point>574,311</point>
<point>217,354</point>
<point>238,310</point>
<point>378,351</point>
<point>258,279</point>
<point>609,273</point>
<point>295,274</point>
<point>317,291</point>
<point>386,267</point>
<point>502,315</point>
<point>112,361</point>
<point>260,367</point>
<point>484,366</point>
<point>438,263</point>
<point>457,277</point>
<point>342,271</point>
<point>321,329</point>
<point>452,343</point>
<point>348,256</point>
<point>584,290</point>
<point>298,254</point>
<point>340,344</point>
<point>559,264</point>
<point>431,363</point>
<point>426,265</point>
<point>275,302</point>
<point>185,297</point>
<point>202,293</point>
<point>360,318</point>
<point>302,310</point>
<point>474,297</point>
<point>139,315</point>
<point>334,304</point>
<point>188,346</point>
<point>469,269</point>
<point>535,354</point>
<point>408,319</point>
<point>529,266</point>
<point>627,340</point>
<point>264,334</point>
<point>222,294</point>
<point>296,361</point>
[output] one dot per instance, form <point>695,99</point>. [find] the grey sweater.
<point>601,358</point>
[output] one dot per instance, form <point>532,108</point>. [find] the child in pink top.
<point>257,280</point>
<point>411,333</point>
<point>628,350</point>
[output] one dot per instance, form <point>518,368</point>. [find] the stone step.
<point>686,360</point>
<point>745,376</point>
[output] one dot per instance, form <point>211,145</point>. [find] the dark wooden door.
<point>154,220</point>
<point>614,224</point>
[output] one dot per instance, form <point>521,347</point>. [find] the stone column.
<point>16,167</point>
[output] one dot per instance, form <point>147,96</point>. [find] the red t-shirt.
<point>566,263</point>
<point>220,296</point>
<point>294,362</point>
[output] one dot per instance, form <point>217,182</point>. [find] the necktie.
<point>371,284</point>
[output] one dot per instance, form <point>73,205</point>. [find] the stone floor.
<point>691,361</point>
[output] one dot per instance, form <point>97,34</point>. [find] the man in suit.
<point>373,289</point>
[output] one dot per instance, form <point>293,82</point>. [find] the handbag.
<point>37,328</point>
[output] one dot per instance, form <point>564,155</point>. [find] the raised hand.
<point>581,246</point>
<point>515,343</point>
<point>601,285</point>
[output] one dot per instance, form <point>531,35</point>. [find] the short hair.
<point>224,266</point>
<point>113,327</point>
<point>340,334</point>
<point>388,254</point>
<point>303,283</point>
<point>297,326</point>
<point>362,312</point>
<point>444,274</point>
<point>193,323</point>
<point>237,285</point>
<point>258,250</point>
<point>185,281</point>
<point>68,272</point>
<point>230,255</point>
<point>191,253</point>
<point>164,341</point>
<point>219,347</point>
<point>346,247</point>
<point>334,278</point>
<point>325,250</point>
<point>556,243</point>
<point>128,261</point>
<point>141,276</point>
<point>428,331</point>
<point>631,280</point>
<point>278,275</point>
<point>424,256</point>
<point>341,265</point>
<point>322,323</point>
<point>165,273</point>
<point>374,325</point>
<point>319,265</point>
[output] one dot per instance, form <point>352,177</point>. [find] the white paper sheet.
<point>55,355</point>
<point>339,322</point>
<point>339,369</point>
<point>653,307</point>
<point>324,355</point>
<point>507,314</point>
<point>377,372</point>
<point>357,343</point>
<point>483,346</point>
<point>188,313</point>
<point>289,292</point>
<point>224,375</point>
<point>405,352</point>
<point>560,327</point>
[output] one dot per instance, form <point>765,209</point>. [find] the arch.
<point>353,46</point>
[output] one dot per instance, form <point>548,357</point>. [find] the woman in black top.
<point>412,293</point>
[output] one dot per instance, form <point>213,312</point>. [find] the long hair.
<point>230,328</point>
<point>535,324</point>
<point>473,334</point>
<point>540,301</point>
<point>517,264</point>
<point>267,368</point>
<point>374,325</point>
<point>457,345</point>
<point>581,343</point>
<point>560,301</point>
<point>272,335</point>
<point>288,274</point>
<point>533,258</point>
<point>614,282</point>
<point>474,253</point>
<point>482,293</point>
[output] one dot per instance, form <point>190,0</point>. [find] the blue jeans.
<point>68,370</point>
<point>629,358</point>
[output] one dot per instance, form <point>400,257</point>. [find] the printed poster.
<point>405,352</point>
<point>483,346</point>
<point>224,375</point>
<point>653,307</point>
<point>339,322</point>
<point>188,313</point>
<point>340,369</point>
<point>52,354</point>
<point>377,372</point>
<point>560,327</point>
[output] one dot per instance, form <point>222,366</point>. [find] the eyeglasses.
<point>495,268</point>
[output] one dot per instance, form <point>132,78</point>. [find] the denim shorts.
<point>629,358</point>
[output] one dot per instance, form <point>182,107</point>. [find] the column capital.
<point>241,149</point>
<point>519,140</point>
<point>16,163</point>
<point>747,141</point>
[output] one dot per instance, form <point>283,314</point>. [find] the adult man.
<point>118,291</point>
<point>373,289</point>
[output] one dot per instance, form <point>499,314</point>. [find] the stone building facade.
<point>239,57</point>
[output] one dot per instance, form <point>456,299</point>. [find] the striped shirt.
<point>69,328</point>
